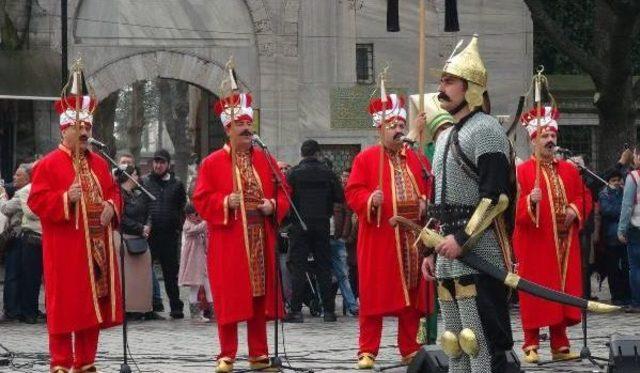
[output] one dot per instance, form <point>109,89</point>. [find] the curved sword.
<point>431,238</point>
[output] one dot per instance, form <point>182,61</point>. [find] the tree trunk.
<point>137,122</point>
<point>175,112</point>
<point>104,117</point>
<point>617,115</point>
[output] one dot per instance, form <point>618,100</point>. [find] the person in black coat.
<point>167,218</point>
<point>315,191</point>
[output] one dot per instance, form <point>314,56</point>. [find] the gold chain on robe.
<point>93,201</point>
<point>253,195</point>
<point>408,206</point>
<point>559,202</point>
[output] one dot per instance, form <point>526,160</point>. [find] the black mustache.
<point>246,133</point>
<point>550,145</point>
<point>397,136</point>
<point>84,138</point>
<point>443,96</point>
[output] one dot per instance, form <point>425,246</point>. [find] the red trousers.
<point>75,354</point>
<point>256,335</point>
<point>408,324</point>
<point>558,338</point>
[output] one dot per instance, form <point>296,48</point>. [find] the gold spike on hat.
<point>469,66</point>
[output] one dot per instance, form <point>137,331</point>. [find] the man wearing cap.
<point>316,190</point>
<point>167,218</point>
<point>548,238</point>
<point>242,220</point>
<point>390,283</point>
<point>78,204</point>
<point>471,169</point>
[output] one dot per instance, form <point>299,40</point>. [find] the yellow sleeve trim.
<point>370,208</point>
<point>575,209</point>
<point>530,209</point>
<point>115,210</point>
<point>65,204</point>
<point>225,207</point>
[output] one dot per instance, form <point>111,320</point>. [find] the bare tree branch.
<point>554,31</point>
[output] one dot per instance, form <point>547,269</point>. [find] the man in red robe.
<point>390,281</point>
<point>546,242</point>
<point>242,233</point>
<point>77,202</point>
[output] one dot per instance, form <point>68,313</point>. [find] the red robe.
<point>70,295</point>
<point>537,249</point>
<point>382,289</point>
<point>228,260</point>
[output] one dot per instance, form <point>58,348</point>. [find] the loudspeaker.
<point>431,359</point>
<point>624,354</point>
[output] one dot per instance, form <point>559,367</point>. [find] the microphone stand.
<point>585,352</point>
<point>275,361</point>
<point>124,367</point>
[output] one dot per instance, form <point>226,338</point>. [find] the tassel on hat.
<point>451,23</point>
<point>393,17</point>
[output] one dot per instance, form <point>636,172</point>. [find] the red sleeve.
<point>208,200</point>
<point>580,201</point>
<point>525,213</point>
<point>358,191</point>
<point>112,194</point>
<point>47,200</point>
<point>283,202</point>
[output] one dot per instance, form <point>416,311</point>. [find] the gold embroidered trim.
<point>396,231</point>
<point>89,262</point>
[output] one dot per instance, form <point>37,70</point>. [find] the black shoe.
<point>134,316</point>
<point>153,316</point>
<point>158,307</point>
<point>330,317</point>
<point>29,319</point>
<point>293,317</point>
<point>176,315</point>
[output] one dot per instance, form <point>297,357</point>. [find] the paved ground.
<point>188,346</point>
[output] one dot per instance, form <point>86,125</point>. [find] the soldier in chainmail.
<point>471,168</point>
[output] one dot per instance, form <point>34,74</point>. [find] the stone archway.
<point>157,64</point>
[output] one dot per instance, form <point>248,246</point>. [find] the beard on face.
<point>397,136</point>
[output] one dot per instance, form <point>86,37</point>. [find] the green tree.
<point>598,38</point>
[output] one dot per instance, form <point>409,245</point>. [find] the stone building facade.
<point>297,57</point>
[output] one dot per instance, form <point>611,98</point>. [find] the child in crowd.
<point>193,263</point>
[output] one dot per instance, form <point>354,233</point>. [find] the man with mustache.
<point>390,283</point>
<point>242,233</point>
<point>77,201</point>
<point>548,219</point>
<point>472,169</point>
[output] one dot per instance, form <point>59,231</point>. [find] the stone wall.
<point>293,55</point>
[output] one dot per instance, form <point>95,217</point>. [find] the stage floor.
<point>187,346</point>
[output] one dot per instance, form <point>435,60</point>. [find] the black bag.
<point>136,245</point>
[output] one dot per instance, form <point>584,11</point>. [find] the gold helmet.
<point>468,65</point>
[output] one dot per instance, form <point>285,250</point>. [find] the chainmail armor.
<point>480,134</point>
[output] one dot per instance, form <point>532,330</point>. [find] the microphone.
<point>560,150</point>
<point>96,143</point>
<point>407,140</point>
<point>258,141</point>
